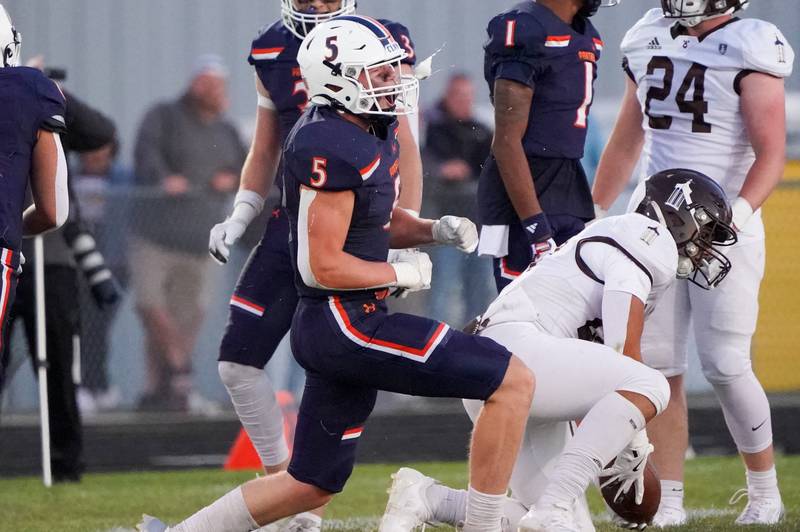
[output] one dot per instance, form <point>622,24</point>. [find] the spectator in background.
<point>96,183</point>
<point>189,156</point>
<point>456,147</point>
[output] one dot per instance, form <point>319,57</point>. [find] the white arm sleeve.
<point>622,278</point>
<point>62,192</point>
<point>616,309</point>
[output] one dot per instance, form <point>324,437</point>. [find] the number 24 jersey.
<point>689,90</point>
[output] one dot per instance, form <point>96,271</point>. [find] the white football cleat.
<point>759,510</point>
<point>407,508</point>
<point>151,524</point>
<point>667,516</point>
<point>551,518</point>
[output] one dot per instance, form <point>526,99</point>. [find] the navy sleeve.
<point>52,106</point>
<point>514,49</point>
<point>403,37</point>
<point>314,163</point>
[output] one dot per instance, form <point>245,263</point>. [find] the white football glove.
<point>246,206</point>
<point>629,466</point>
<point>456,231</point>
<point>223,236</point>
<point>413,269</point>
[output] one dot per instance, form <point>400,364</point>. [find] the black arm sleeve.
<point>87,128</point>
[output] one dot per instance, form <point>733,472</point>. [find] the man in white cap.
<point>188,155</point>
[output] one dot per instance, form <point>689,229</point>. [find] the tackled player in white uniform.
<point>607,278</point>
<point>701,83</point>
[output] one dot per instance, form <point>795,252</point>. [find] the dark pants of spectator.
<point>61,317</point>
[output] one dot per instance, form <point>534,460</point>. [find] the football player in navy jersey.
<point>540,64</point>
<point>265,298</point>
<point>32,110</point>
<point>341,166</point>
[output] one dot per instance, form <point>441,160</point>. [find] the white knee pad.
<point>254,400</point>
<point>649,383</point>
<point>724,357</point>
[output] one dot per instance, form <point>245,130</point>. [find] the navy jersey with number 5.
<point>29,102</point>
<point>326,152</point>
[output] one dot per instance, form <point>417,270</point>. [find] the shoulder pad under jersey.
<point>332,154</point>
<point>764,48</point>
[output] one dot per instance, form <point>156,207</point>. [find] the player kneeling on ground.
<point>607,278</point>
<point>340,166</point>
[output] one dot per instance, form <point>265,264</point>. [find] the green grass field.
<point>116,501</point>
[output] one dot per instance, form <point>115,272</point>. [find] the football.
<point>625,506</point>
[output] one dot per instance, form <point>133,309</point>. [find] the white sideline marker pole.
<point>41,358</point>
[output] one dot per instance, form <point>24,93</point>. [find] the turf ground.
<point>108,502</point>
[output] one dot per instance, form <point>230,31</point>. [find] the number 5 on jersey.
<point>319,169</point>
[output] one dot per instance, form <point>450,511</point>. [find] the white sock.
<point>605,430</point>
<point>672,494</point>
<point>484,512</point>
<point>229,513</point>
<point>253,398</point>
<point>447,505</point>
<point>763,483</point>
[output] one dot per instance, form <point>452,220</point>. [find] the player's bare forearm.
<point>763,96</point>
<point>621,152</point>
<point>408,231</point>
<point>410,168</point>
<point>347,272</point>
<point>328,219</point>
<point>258,171</point>
<point>48,182</point>
<point>512,105</point>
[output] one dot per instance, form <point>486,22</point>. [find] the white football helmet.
<point>10,41</point>
<point>693,12</point>
<point>301,21</point>
<point>335,54</point>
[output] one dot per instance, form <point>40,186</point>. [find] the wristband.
<point>537,228</point>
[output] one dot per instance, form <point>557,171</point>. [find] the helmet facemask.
<point>395,99</point>
<point>709,266</point>
<point>301,21</point>
<point>692,12</point>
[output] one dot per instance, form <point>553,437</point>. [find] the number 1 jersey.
<point>689,90</point>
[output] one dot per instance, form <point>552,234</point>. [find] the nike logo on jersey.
<point>654,44</point>
<point>758,426</point>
